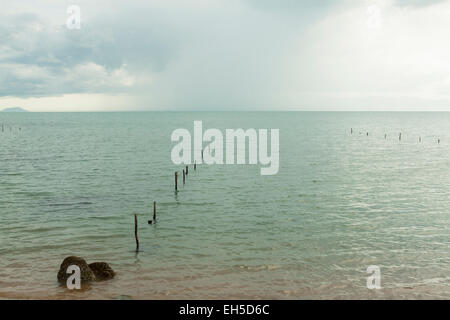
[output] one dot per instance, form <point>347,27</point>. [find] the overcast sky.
<point>226,55</point>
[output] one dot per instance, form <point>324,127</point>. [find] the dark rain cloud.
<point>38,58</point>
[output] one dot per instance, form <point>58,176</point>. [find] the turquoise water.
<point>71,182</point>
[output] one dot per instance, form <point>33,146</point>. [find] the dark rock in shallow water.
<point>86,272</point>
<point>102,270</point>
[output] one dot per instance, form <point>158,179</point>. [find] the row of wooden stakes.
<point>185,173</point>
<point>5,126</point>
<point>399,136</point>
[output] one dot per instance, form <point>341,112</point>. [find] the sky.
<point>226,55</point>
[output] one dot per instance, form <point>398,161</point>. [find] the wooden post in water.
<point>385,135</point>
<point>184,176</point>
<point>195,165</point>
<point>176,181</point>
<point>400,136</point>
<point>351,130</point>
<point>136,232</point>
<point>154,211</point>
<point>439,141</point>
<point>420,139</point>
<point>202,154</point>
<point>187,170</point>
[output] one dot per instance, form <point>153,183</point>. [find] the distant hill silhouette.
<point>14,109</point>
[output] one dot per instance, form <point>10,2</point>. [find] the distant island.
<point>14,109</point>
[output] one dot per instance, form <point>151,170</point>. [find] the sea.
<point>349,194</point>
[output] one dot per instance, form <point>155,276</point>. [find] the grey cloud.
<point>289,5</point>
<point>210,54</point>
<point>418,2</point>
<point>58,54</point>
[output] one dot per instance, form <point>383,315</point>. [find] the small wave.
<point>260,267</point>
<point>69,204</point>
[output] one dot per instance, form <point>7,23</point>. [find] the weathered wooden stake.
<point>351,130</point>
<point>176,181</point>
<point>399,136</point>
<point>136,232</point>
<point>184,176</point>
<point>202,154</point>
<point>385,136</point>
<point>154,211</point>
<point>420,139</point>
<point>439,141</point>
<point>195,165</point>
<point>187,170</point>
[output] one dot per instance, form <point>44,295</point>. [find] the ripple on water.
<point>340,202</point>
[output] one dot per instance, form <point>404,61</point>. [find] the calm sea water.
<point>71,182</point>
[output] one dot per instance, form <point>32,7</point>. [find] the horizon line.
<point>159,110</point>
